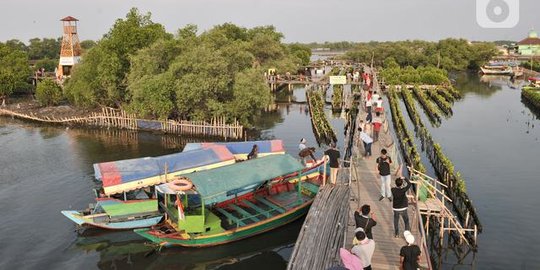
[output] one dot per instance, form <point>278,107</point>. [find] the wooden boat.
<point>497,70</point>
<point>234,202</point>
<point>135,176</point>
<point>116,214</point>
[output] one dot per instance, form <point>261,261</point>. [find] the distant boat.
<point>497,70</point>
<point>234,202</point>
<point>115,214</point>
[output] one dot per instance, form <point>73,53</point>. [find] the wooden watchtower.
<point>70,52</point>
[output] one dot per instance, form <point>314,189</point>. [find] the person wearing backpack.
<point>383,168</point>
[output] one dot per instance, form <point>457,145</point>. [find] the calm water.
<point>493,139</point>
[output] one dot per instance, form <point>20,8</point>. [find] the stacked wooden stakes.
<point>460,200</point>
<point>323,233</point>
<point>112,118</point>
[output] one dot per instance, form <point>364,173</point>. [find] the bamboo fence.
<point>113,118</point>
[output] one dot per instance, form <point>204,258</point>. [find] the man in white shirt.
<point>367,142</point>
<point>375,96</point>
<point>364,248</point>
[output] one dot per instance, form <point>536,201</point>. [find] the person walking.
<point>378,105</point>
<point>400,204</point>
<point>409,254</point>
<point>377,124</point>
<point>383,168</point>
<point>365,219</point>
<point>333,156</point>
<point>367,141</point>
<point>364,249</point>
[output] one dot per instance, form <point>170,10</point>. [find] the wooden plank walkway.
<point>365,189</point>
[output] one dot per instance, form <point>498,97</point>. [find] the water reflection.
<point>122,250</point>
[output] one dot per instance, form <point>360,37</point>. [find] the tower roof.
<point>531,40</point>
<point>69,19</point>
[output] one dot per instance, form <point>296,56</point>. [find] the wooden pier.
<point>363,182</point>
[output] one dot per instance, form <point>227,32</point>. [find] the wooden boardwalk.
<point>365,189</point>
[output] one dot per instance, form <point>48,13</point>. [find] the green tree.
<point>87,44</point>
<point>153,96</point>
<point>251,95</point>
<point>14,71</point>
<point>47,64</point>
<point>16,44</point>
<point>48,93</point>
<point>200,79</point>
<point>44,48</point>
<point>107,64</point>
<point>303,52</point>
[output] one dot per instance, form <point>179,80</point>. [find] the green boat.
<point>234,202</point>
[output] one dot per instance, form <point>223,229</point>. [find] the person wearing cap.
<point>333,156</point>
<point>306,151</point>
<point>302,144</point>
<point>409,254</point>
<point>363,248</point>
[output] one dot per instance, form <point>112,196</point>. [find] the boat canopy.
<point>222,183</point>
<point>239,148</point>
<point>125,175</point>
<point>534,79</point>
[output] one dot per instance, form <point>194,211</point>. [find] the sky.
<point>298,20</point>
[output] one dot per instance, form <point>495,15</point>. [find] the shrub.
<point>49,93</point>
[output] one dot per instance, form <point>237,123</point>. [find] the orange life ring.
<point>180,184</point>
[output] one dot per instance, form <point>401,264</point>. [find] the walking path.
<point>365,189</point>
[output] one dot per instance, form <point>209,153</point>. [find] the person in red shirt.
<point>377,124</point>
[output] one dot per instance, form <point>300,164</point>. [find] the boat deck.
<point>258,208</point>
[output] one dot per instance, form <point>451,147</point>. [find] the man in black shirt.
<point>333,158</point>
<point>383,167</point>
<point>400,204</point>
<point>366,220</point>
<point>409,254</point>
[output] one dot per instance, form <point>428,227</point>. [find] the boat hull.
<point>80,220</point>
<point>230,235</point>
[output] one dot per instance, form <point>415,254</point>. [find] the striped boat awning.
<point>126,175</point>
